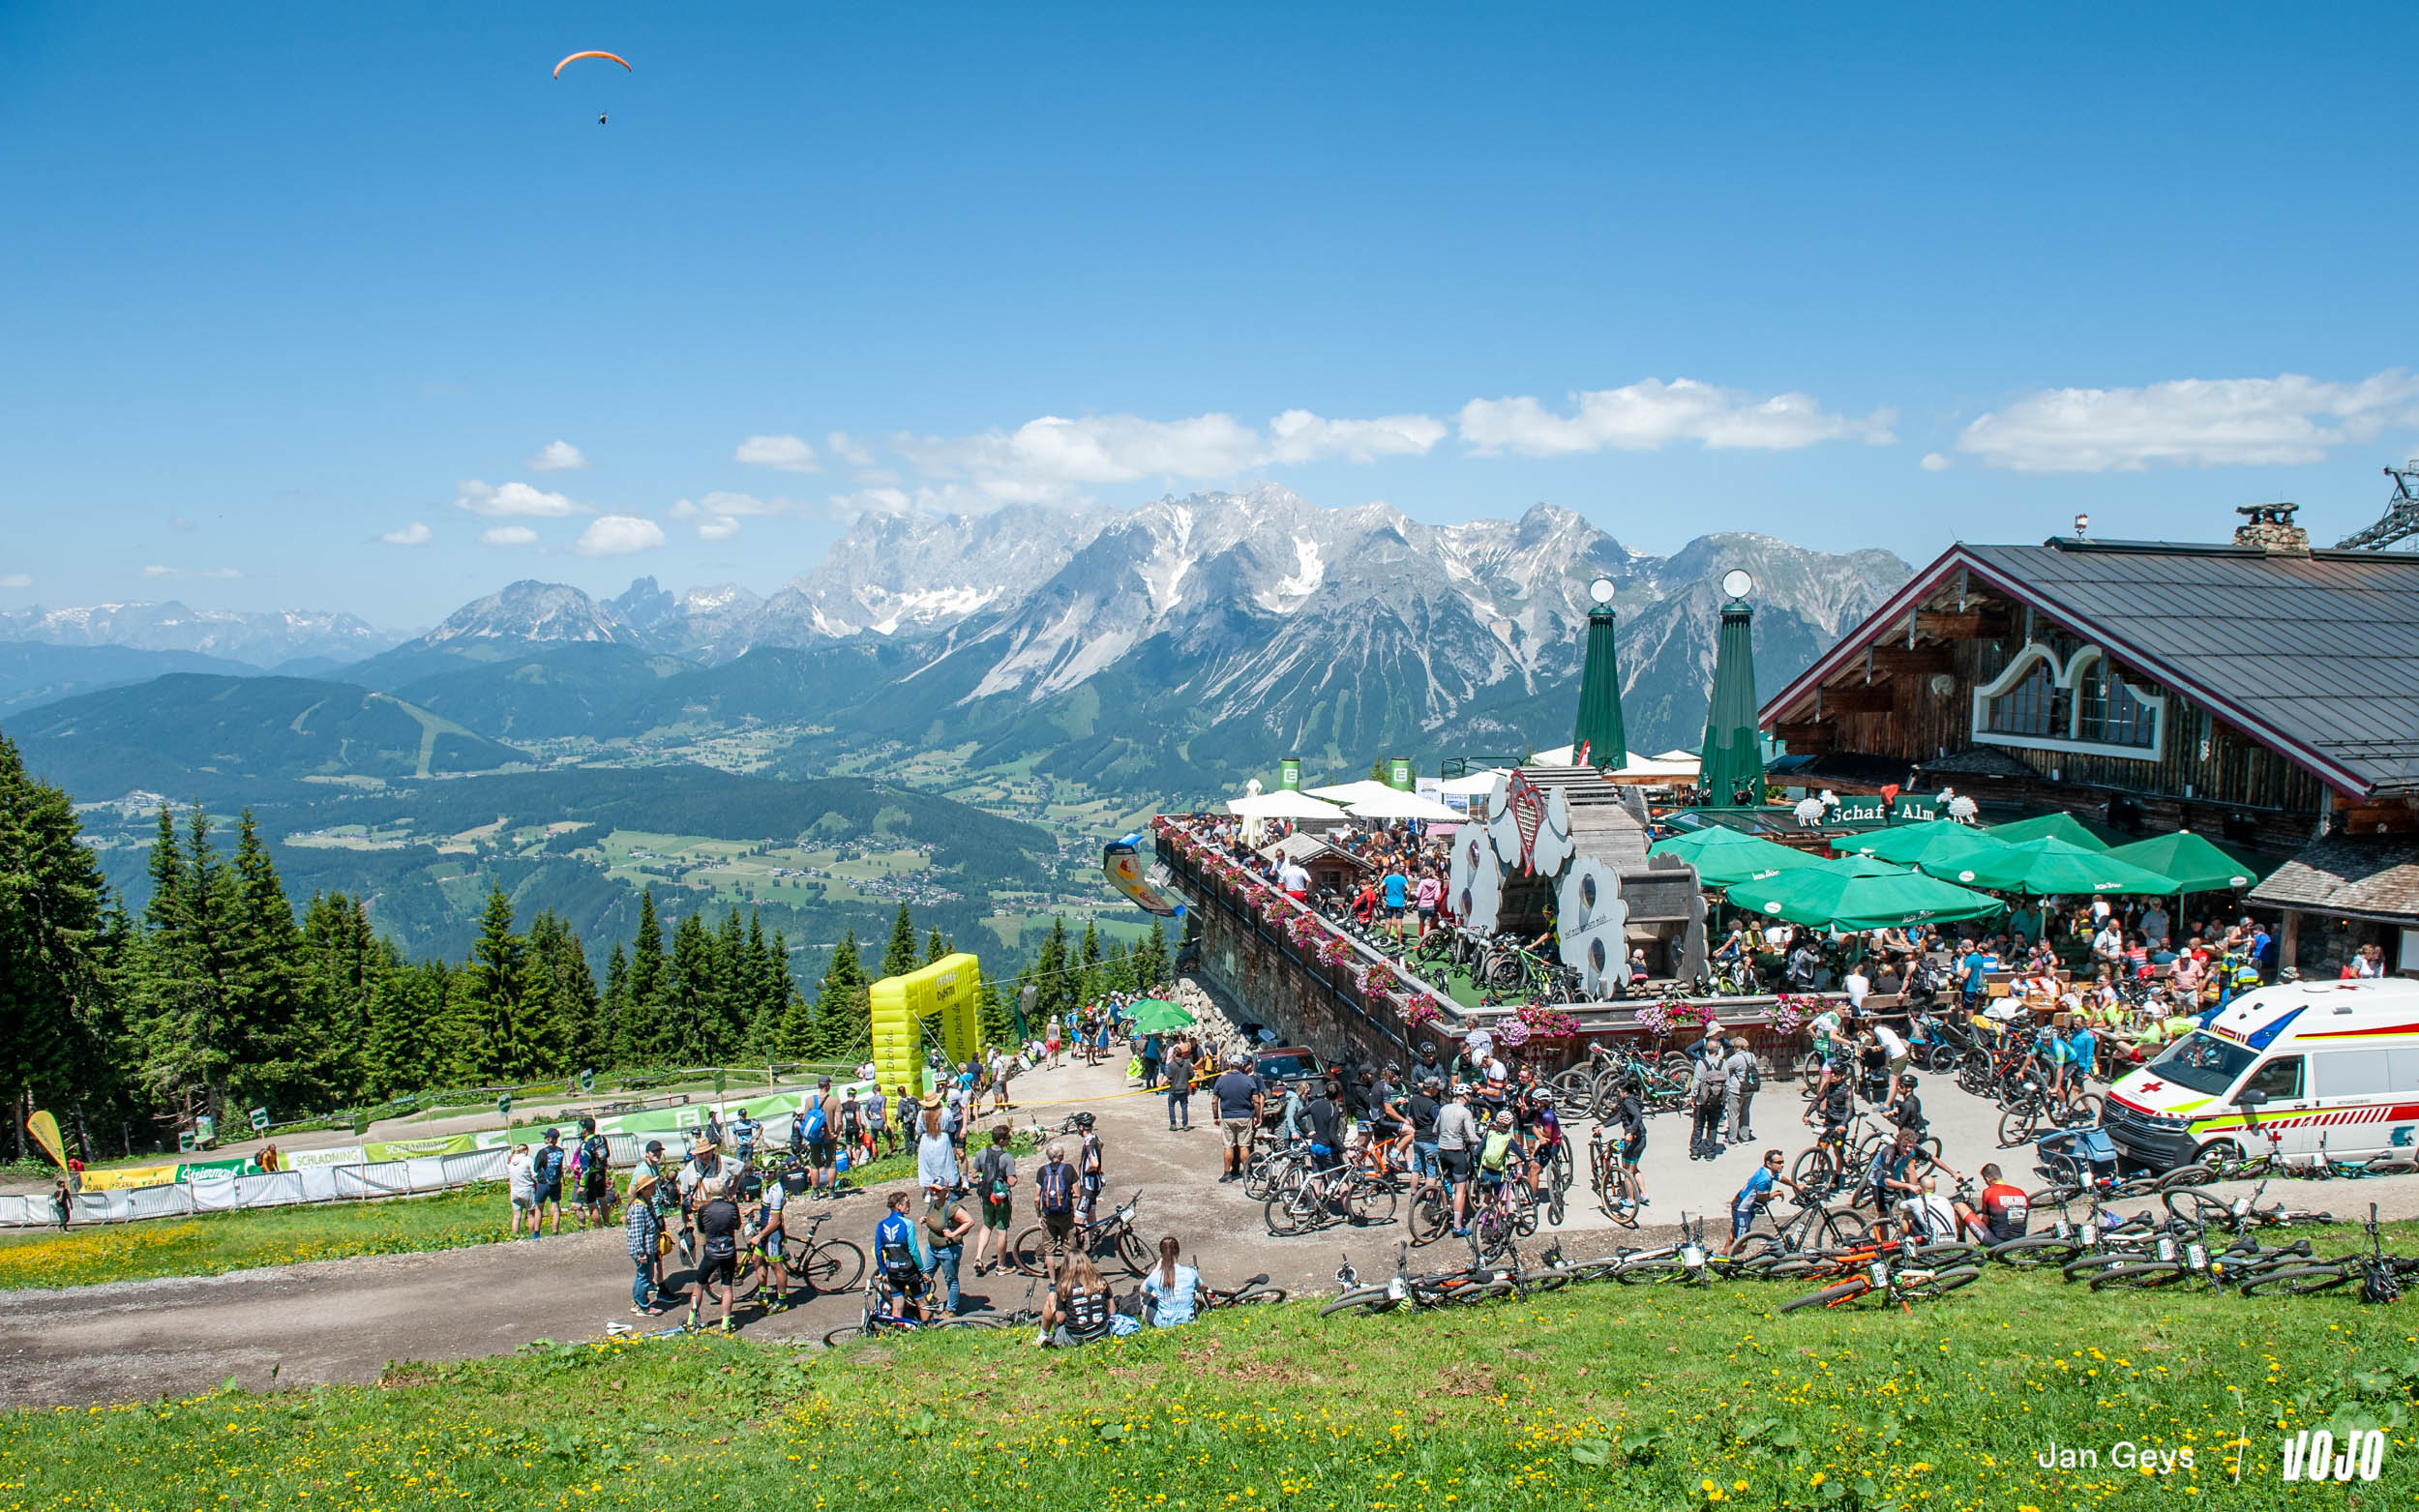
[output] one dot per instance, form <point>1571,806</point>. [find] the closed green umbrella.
<point>2042,868</point>
<point>1913,845</point>
<point>2048,826</point>
<point>1734,858</point>
<point>2190,862</point>
<point>1850,895</point>
<point>1157,1015</point>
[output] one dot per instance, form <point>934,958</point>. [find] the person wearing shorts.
<point>994,1182</point>
<point>1240,1098</point>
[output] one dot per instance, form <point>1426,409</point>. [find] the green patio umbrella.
<point>2190,862</point>
<point>1913,845</point>
<point>1157,1015</point>
<point>1858,893</point>
<point>1723,856</point>
<point>2048,826</point>
<point>2050,866</point>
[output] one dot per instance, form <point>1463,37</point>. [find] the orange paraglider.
<point>610,57</point>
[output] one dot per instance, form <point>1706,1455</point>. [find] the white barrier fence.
<point>414,1178</point>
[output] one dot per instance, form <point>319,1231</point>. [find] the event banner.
<point>655,1120</point>
<point>131,1176</point>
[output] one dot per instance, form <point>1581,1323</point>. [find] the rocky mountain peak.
<point>531,611</point>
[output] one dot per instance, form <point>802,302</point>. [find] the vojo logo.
<point>2316,1456</point>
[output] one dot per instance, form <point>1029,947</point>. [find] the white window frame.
<point>2067,677</point>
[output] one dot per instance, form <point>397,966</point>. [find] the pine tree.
<point>795,1038</point>
<point>899,957</point>
<point>643,1031</point>
<point>52,1016</point>
<point>1088,984</point>
<point>1057,990</point>
<point>690,990</point>
<point>1152,970</point>
<point>407,1015</point>
<point>344,961</point>
<point>612,1009</point>
<point>1117,969</point>
<point>937,945</point>
<point>842,1013</point>
<point>495,989</point>
<point>997,1028</point>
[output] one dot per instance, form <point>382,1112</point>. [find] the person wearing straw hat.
<point>645,1231</point>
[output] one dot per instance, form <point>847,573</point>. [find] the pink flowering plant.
<point>1545,1023</point>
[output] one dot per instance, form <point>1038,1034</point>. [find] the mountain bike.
<point>1104,1240</point>
<point>1317,1199</point>
<point>1610,1178</point>
<point>878,1318</point>
<point>825,1265</point>
<point>1898,1278</point>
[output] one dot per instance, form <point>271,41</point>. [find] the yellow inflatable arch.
<point>949,988</point>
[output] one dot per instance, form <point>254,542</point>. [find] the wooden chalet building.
<point>2259,693</point>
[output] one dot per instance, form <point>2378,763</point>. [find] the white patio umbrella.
<point>1395,805</point>
<point>1282,804</point>
<point>1475,783</point>
<point>1351,792</point>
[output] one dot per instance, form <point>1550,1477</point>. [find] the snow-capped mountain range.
<point>1159,648</point>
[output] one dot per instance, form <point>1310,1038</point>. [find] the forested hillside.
<point>216,994</point>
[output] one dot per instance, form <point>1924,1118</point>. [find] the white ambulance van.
<point>2332,1065</point>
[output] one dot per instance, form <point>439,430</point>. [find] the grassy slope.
<point>219,1242</point>
<point>1606,1397</point>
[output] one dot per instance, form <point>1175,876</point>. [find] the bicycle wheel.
<point>2138,1277</point>
<point>1943,1283</point>
<point>2299,1281</point>
<point>2016,1126</point>
<point>1280,1213</point>
<point>2197,1209</point>
<point>1522,1198</point>
<point>1554,1208</point>
<point>1369,1204</point>
<point>841,1336</point>
<point>2085,1268</point>
<point>1258,1296</point>
<point>1030,1254</point>
<point>1133,1254</point>
<point>1431,1217</point>
<point>1649,1273</point>
<point>2192,1176</point>
<point>1368,1300</point>
<point>832,1265</point>
<point>2030,1252</point>
<point>1948,1255</point>
<point>1815,1172</point>
<point>1829,1296</point>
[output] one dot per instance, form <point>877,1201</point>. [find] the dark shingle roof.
<point>2377,876</point>
<point>2319,653</point>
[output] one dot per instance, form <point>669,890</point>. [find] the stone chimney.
<point>2270,527</point>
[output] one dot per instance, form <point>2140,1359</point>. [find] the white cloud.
<point>1299,436</point>
<point>17,581</point>
<point>1651,413</point>
<point>558,456</point>
<point>2191,422</point>
<point>618,535</point>
<point>413,534</point>
<point>191,572</point>
<point>508,535</point>
<point>849,449</point>
<point>513,499</point>
<point>1936,461</point>
<point>785,452</point>
<point>718,514</point>
<point>180,523</point>
<point>1045,459</point>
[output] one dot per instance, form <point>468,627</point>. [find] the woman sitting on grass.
<point>1078,1310</point>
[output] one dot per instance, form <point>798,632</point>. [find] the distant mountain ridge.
<point>1163,648</point>
<point>258,639</point>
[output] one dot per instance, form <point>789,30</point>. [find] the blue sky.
<point>281,281</point>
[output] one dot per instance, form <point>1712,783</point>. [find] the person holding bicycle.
<point>1545,1135</point>
<point>1457,1137</point>
<point>1755,1195</point>
<point>1423,1108</point>
<point>767,1233</point>
<point>898,1277</point>
<point>1496,1149</point>
<point>1054,1192</point>
<point>718,1224</point>
<point>1628,1117</point>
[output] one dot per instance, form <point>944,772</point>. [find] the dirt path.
<point>344,1321</point>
